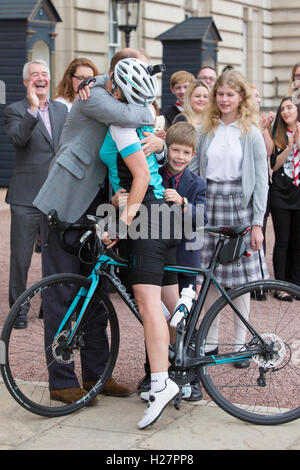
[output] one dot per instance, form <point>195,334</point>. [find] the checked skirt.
<point>224,208</point>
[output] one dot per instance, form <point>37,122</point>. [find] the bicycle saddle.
<point>232,232</point>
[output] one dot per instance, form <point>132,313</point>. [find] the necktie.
<point>296,162</point>
<point>296,167</point>
<point>172,182</point>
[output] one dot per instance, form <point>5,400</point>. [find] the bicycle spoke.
<point>32,368</point>
<point>267,391</point>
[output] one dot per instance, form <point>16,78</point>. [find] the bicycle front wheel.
<point>266,391</point>
<point>36,362</point>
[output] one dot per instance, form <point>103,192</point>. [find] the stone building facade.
<point>260,37</point>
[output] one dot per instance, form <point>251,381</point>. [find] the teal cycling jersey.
<point>119,143</point>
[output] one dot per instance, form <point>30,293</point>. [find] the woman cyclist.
<point>128,168</point>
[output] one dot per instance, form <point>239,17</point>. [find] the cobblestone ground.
<point>129,368</point>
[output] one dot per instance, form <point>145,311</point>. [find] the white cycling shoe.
<point>157,403</point>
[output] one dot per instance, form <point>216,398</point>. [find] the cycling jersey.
<point>147,256</point>
<point>120,142</point>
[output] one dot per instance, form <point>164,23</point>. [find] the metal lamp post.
<point>128,17</point>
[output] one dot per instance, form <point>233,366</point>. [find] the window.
<point>40,50</point>
<point>114,33</point>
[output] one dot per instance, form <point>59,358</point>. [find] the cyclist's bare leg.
<point>169,296</point>
<point>163,389</point>
<point>148,299</point>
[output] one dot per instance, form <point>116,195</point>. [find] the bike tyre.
<point>214,391</point>
<point>7,374</point>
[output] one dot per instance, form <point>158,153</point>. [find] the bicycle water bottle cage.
<point>183,309</point>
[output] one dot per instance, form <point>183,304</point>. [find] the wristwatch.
<point>185,203</point>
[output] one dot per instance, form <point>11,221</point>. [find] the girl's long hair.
<point>188,111</point>
<point>65,88</point>
<point>247,114</point>
<point>280,137</point>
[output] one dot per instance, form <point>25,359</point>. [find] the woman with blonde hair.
<point>195,101</point>
<point>232,159</point>
<point>78,70</point>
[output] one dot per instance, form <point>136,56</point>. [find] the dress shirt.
<point>225,154</point>
<point>45,116</point>
<point>171,181</point>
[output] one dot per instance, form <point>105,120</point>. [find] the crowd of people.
<point>213,149</point>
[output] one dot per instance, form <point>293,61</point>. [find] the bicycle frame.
<point>105,267</point>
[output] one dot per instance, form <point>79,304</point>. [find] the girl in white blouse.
<point>231,157</point>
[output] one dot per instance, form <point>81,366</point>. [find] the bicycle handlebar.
<point>91,228</point>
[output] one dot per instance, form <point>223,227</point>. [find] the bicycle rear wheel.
<point>31,365</point>
<point>267,391</point>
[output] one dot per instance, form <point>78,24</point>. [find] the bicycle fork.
<point>87,294</point>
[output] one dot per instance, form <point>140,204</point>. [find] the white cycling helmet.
<point>134,78</point>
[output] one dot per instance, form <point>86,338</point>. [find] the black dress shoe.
<point>196,393</point>
<point>242,364</point>
<point>21,321</point>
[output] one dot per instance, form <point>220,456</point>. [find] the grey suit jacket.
<point>77,172</point>
<point>254,169</point>
<point>34,148</point>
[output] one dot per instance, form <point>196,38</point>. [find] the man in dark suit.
<point>34,125</point>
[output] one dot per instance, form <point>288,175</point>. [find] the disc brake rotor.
<point>278,353</point>
<point>59,350</point>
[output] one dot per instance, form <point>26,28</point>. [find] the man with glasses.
<point>208,75</point>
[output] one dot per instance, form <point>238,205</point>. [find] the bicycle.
<point>266,392</point>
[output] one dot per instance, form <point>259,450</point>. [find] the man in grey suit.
<point>34,125</point>
<point>75,188</point>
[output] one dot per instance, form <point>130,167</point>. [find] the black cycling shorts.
<point>148,257</point>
